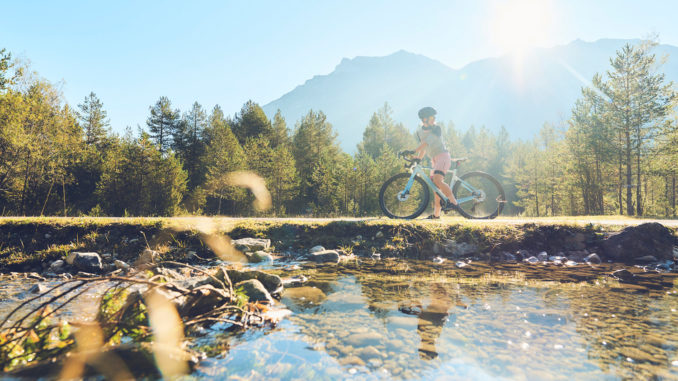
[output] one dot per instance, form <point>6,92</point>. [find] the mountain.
<point>493,92</point>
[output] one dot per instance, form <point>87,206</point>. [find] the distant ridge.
<point>493,92</point>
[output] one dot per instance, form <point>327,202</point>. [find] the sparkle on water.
<point>416,320</point>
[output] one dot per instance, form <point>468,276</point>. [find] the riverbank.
<point>31,244</point>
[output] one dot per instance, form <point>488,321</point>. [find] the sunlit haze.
<point>131,53</point>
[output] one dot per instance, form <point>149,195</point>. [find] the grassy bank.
<point>28,244</point>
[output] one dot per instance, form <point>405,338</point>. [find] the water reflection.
<point>423,322</point>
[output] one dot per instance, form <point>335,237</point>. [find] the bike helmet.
<point>426,112</point>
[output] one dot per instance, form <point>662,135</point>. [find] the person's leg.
<point>439,181</point>
<point>436,204</point>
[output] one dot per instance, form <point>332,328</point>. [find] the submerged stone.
<point>325,256</point>
<point>255,291</point>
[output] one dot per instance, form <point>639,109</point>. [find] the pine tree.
<point>92,117</point>
<point>189,143</point>
<point>281,134</point>
<point>223,155</point>
<point>314,140</point>
<point>252,122</point>
<point>162,123</point>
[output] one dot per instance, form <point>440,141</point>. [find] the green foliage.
<point>162,123</point>
<point>615,154</point>
<point>92,117</point>
<point>40,342</point>
<point>122,314</point>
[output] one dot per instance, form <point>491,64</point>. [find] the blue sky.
<point>225,52</point>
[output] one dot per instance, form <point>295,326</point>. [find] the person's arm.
<point>421,150</point>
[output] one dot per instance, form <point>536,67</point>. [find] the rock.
<point>316,249</point>
<point>461,264</point>
<point>557,258</point>
<point>623,275</point>
<point>379,234</point>
<point>48,236</point>
<point>364,339</point>
<point>251,244</point>
<point>521,255</point>
<point>325,256</point>
<point>106,256</point>
<point>57,266</point>
<point>368,353</point>
<point>543,256</point>
<point>376,256</point>
<point>508,257</point>
<point>147,257</point>
<point>592,259</point>
<point>196,282</point>
<point>108,267</point>
<point>647,259</point>
<point>456,249</point>
<point>303,297</point>
<point>255,291</point>
<point>87,262</point>
<point>294,281</point>
<point>570,263</point>
<point>192,256</point>
<point>532,259</point>
<point>202,299</point>
<point>121,265</point>
<point>259,256</point>
<point>273,283</point>
<point>675,253</point>
<point>639,241</point>
<point>577,255</point>
<point>37,288</point>
<point>438,260</point>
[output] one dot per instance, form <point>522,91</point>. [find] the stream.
<point>421,320</point>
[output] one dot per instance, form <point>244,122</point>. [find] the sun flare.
<point>519,25</point>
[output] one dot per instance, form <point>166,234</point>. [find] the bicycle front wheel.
<point>479,196</point>
<point>396,203</point>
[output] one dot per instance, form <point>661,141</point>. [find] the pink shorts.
<point>441,163</point>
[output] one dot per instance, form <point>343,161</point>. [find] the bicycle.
<point>406,195</point>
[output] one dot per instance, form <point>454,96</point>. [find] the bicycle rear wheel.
<point>479,196</point>
<point>395,203</point>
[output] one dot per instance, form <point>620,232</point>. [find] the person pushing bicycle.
<point>430,136</point>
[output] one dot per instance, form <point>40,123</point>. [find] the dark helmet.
<point>426,112</point>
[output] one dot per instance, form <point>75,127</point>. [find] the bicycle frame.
<point>419,170</point>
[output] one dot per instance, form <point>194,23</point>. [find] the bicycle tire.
<point>393,207</point>
<point>488,200</point>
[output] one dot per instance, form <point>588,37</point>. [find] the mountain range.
<point>519,94</point>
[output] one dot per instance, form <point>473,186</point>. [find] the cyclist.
<point>432,145</point>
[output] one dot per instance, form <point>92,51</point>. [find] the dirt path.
<point>578,220</point>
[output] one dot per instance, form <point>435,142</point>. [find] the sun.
<point>519,25</point>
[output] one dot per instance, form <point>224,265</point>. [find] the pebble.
<point>316,249</point>
<point>592,259</point>
<point>37,288</point>
<point>543,256</point>
<point>532,259</point>
<point>461,264</point>
<point>438,260</point>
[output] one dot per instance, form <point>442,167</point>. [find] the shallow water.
<point>374,323</point>
<point>419,320</point>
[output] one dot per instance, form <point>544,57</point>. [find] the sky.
<point>130,53</point>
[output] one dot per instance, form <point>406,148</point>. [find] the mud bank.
<point>31,244</point>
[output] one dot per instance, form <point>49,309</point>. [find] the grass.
<point>33,240</point>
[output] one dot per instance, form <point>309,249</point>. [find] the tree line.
<point>615,154</point>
